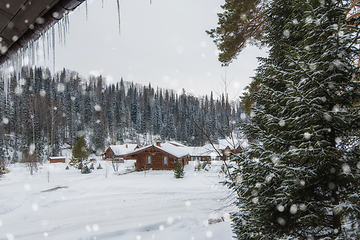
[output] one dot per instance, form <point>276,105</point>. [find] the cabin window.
<point>165,161</point>
<point>148,159</point>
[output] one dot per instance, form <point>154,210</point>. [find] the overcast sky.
<point>163,43</point>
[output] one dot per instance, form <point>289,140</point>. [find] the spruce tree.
<point>300,178</point>
<point>80,153</point>
<point>179,170</point>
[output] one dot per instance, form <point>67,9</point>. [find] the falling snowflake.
<point>307,135</point>
<point>281,221</point>
<point>97,108</point>
<point>309,20</point>
<point>55,14</point>
<point>243,17</point>
<point>10,236</point>
<point>275,159</point>
<point>302,183</point>
<point>286,33</point>
<point>282,123</point>
<point>42,93</point>
<point>269,177</point>
<point>40,20</point>
<point>35,207</point>
<point>95,227</point>
<point>280,208</point>
<point>27,186</point>
<point>302,207</point>
<point>293,209</point>
<point>18,90</point>
<point>60,87</point>
<point>332,186</point>
<point>327,117</point>
<point>209,234</point>
<point>161,228</point>
<point>5,120</point>
<point>188,203</point>
<point>88,228</point>
<point>170,220</point>
<point>346,168</point>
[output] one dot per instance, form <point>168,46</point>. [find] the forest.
<point>45,113</point>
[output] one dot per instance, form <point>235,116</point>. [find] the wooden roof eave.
<point>62,7</point>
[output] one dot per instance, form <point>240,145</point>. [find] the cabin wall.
<point>109,154</point>
<point>157,160</point>
<point>59,160</point>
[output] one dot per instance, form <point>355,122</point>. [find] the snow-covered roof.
<point>200,151</point>
<point>123,149</point>
<point>56,158</point>
<point>173,150</point>
<point>178,152</point>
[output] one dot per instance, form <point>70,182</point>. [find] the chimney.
<point>158,144</point>
<point>126,146</point>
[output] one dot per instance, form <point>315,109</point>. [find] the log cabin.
<point>162,156</point>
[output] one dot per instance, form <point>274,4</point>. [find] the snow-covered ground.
<point>56,203</point>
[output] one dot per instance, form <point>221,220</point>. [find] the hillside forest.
<point>45,113</point>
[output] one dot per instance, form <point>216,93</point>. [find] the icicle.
<point>86,9</point>
<point>118,6</point>
<point>53,48</point>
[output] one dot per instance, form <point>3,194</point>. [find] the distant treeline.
<point>44,113</point>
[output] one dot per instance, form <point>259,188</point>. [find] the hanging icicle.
<point>86,9</point>
<point>118,8</point>
<point>53,48</point>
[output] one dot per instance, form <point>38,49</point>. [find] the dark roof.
<point>22,21</point>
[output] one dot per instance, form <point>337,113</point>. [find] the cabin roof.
<point>169,148</point>
<point>123,149</point>
<point>23,21</point>
<point>57,158</point>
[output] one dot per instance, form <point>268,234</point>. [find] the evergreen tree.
<point>179,170</point>
<point>80,153</point>
<point>300,177</point>
<point>85,170</point>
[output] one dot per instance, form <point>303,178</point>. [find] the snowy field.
<point>62,204</point>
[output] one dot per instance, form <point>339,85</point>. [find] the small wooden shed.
<point>57,159</point>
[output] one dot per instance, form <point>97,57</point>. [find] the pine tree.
<point>85,170</point>
<point>179,170</point>
<point>300,177</point>
<point>80,153</point>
